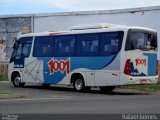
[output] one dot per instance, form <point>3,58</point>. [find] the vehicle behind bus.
<point>103,57</point>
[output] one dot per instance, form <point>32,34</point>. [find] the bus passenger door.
<point>27,71</point>
<point>21,53</point>
<point>33,70</point>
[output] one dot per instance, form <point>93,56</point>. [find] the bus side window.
<point>43,46</point>
<point>87,45</point>
<point>64,46</point>
<point>111,43</point>
<point>106,47</point>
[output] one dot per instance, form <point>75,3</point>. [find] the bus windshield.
<point>21,48</point>
<point>141,40</point>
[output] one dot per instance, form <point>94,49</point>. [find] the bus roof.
<point>104,27</point>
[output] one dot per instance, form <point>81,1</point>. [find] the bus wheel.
<point>107,89</point>
<point>79,85</point>
<point>17,81</point>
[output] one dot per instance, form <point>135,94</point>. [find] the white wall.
<point>62,22</point>
<point>146,18</point>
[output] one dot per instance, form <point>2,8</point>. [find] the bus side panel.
<point>58,69</point>
<point>33,70</point>
<point>109,75</point>
<point>106,78</point>
<point>11,69</point>
<point>90,78</point>
<point>142,67</point>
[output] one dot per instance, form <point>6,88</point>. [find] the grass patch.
<point>5,95</point>
<point>10,96</point>
<point>1,93</point>
<point>3,78</point>
<point>147,88</point>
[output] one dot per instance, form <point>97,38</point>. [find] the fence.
<point>3,69</point>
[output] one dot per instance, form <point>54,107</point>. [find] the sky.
<point>10,7</point>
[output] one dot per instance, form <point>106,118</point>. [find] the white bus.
<point>101,56</point>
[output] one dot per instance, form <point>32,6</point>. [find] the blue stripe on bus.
<point>92,63</point>
<point>152,63</point>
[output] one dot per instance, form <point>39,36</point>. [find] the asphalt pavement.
<point>57,100</point>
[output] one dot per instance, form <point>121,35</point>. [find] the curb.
<point>10,96</point>
<point>4,81</point>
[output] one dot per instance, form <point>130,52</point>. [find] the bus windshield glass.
<point>141,40</point>
<point>21,48</point>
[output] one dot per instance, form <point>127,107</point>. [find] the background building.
<point>11,25</point>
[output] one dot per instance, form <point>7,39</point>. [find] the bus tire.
<point>107,89</point>
<point>17,81</point>
<point>79,85</point>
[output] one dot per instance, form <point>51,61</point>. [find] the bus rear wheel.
<point>79,85</point>
<point>107,89</point>
<point>17,81</point>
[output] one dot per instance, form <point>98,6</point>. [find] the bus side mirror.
<point>14,46</point>
<point>15,43</point>
<point>12,59</point>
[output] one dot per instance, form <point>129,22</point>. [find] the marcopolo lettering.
<point>62,65</point>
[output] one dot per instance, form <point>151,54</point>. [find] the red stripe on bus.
<point>56,33</point>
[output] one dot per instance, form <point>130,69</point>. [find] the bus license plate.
<point>143,82</point>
